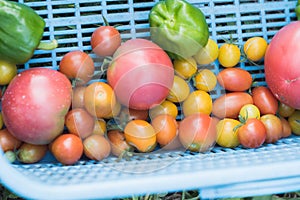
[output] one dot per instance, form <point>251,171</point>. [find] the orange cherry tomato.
<point>141,135</point>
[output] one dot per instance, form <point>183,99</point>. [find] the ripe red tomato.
<point>235,79</point>
<point>78,66</point>
<point>230,104</point>
<point>35,103</point>
<point>105,40</point>
<point>282,65</point>
<point>166,128</point>
<point>198,132</point>
<point>252,134</point>
<point>67,148</point>
<point>78,97</point>
<point>8,142</point>
<point>96,147</point>
<point>273,127</point>
<point>79,122</point>
<point>141,74</point>
<point>264,100</point>
<point>31,153</point>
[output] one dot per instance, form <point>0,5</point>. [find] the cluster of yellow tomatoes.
<point>246,115</point>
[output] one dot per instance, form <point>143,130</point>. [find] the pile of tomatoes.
<point>98,125</point>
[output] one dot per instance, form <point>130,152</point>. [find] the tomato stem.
<point>105,20</point>
<point>103,67</point>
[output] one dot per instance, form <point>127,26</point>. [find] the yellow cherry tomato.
<point>179,91</point>
<point>229,55</point>
<point>227,133</point>
<point>249,111</point>
<point>255,48</point>
<point>198,101</point>
<point>166,107</point>
<point>208,54</point>
<point>185,68</point>
<point>7,72</point>
<point>99,127</point>
<point>205,80</point>
<point>294,121</point>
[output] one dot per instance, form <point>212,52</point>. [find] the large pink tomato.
<point>282,65</point>
<point>35,103</point>
<point>141,74</point>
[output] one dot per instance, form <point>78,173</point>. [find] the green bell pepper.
<point>21,31</point>
<point>178,27</point>
<point>297,10</point>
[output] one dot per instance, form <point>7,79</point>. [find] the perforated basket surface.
<point>221,172</point>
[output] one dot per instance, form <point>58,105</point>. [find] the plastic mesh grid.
<point>72,23</point>
<point>155,164</point>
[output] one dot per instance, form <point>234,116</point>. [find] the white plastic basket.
<point>222,172</point>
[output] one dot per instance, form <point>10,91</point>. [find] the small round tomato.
<point>179,91</point>
<point>227,133</point>
<point>78,66</point>
<point>205,80</point>
<point>141,135</point>
<point>273,127</point>
<point>99,127</point>
<point>166,107</point>
<point>255,48</point>
<point>197,102</point>
<point>99,99</point>
<point>229,55</point>
<point>185,68</point>
<point>8,141</point>
<point>67,148</point>
<point>165,127</point>
<point>119,146</point>
<point>229,104</point>
<point>78,97</point>
<point>249,111</point>
<point>252,134</point>
<point>208,54</point>
<point>105,40</point>
<point>235,79</point>
<point>264,100</point>
<point>7,72</point>
<point>198,132</point>
<point>286,128</point>
<point>294,121</point>
<point>96,147</point>
<point>31,153</point>
<point>285,110</point>
<point>10,156</point>
<point>79,122</point>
